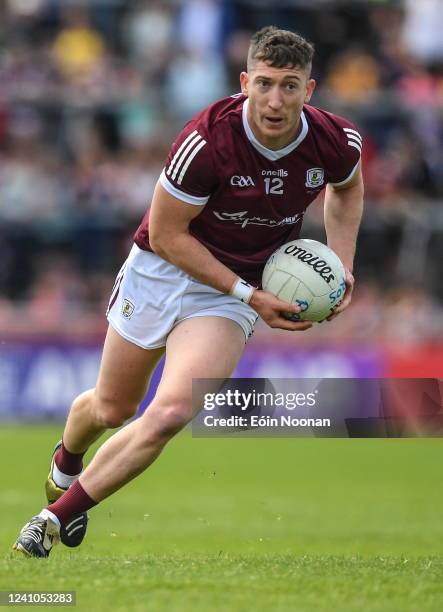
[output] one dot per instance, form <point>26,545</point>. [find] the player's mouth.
<point>273,121</point>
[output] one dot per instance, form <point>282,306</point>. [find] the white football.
<point>307,273</point>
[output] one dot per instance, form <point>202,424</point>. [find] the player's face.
<point>276,98</point>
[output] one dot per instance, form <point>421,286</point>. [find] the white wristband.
<point>242,290</point>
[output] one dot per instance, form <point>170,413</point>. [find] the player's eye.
<point>291,86</point>
<point>262,83</point>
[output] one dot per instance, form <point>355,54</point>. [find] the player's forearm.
<point>187,253</point>
<point>343,212</point>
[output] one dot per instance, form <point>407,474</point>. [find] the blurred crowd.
<point>92,94</point>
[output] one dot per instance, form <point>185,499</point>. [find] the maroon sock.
<point>67,462</point>
<point>74,501</point>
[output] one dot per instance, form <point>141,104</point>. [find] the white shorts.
<point>150,296</point>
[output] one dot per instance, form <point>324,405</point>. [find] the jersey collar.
<point>270,153</point>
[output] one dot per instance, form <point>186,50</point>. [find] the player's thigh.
<point>199,347</point>
<point>125,371</point>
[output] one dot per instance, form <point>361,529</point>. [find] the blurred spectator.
<point>423,26</point>
<point>410,315</point>
<point>148,31</point>
<point>205,81</point>
<point>354,77</point>
<point>199,27</point>
<point>77,48</point>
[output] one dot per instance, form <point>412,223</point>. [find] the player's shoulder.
<point>222,115</point>
<point>191,171</point>
<point>334,128</point>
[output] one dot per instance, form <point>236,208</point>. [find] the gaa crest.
<point>127,308</point>
<point>315,177</point>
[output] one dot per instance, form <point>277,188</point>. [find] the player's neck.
<point>274,143</point>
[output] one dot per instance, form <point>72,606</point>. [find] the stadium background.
<point>91,96</point>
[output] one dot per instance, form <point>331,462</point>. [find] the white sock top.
<point>63,480</point>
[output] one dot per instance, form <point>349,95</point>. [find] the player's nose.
<point>275,100</point>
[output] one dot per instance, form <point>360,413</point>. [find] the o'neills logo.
<point>319,265</point>
<point>279,172</point>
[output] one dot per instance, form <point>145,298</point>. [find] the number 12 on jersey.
<point>273,186</point>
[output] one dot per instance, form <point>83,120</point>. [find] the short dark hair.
<point>281,49</point>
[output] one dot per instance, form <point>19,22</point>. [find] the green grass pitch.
<point>244,524</point>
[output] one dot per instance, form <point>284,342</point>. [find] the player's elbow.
<point>155,245</point>
<point>166,243</point>
<point>158,243</point>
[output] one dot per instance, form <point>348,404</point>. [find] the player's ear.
<point>244,82</point>
<point>310,86</point>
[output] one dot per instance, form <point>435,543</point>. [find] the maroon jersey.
<point>252,198</point>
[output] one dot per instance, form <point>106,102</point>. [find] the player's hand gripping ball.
<point>307,273</point>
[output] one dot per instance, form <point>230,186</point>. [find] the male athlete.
<point>236,184</point>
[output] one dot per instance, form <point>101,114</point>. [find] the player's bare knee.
<point>173,418</point>
<point>111,419</point>
<point>83,401</point>
<point>168,419</point>
<point>111,413</point>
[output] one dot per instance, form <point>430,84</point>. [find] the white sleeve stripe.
<point>346,129</point>
<point>173,172</point>
<point>355,139</point>
<point>182,146</point>
<point>181,195</point>
<point>349,131</point>
<point>185,154</point>
<point>355,145</point>
<point>189,160</point>
<point>348,178</point>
